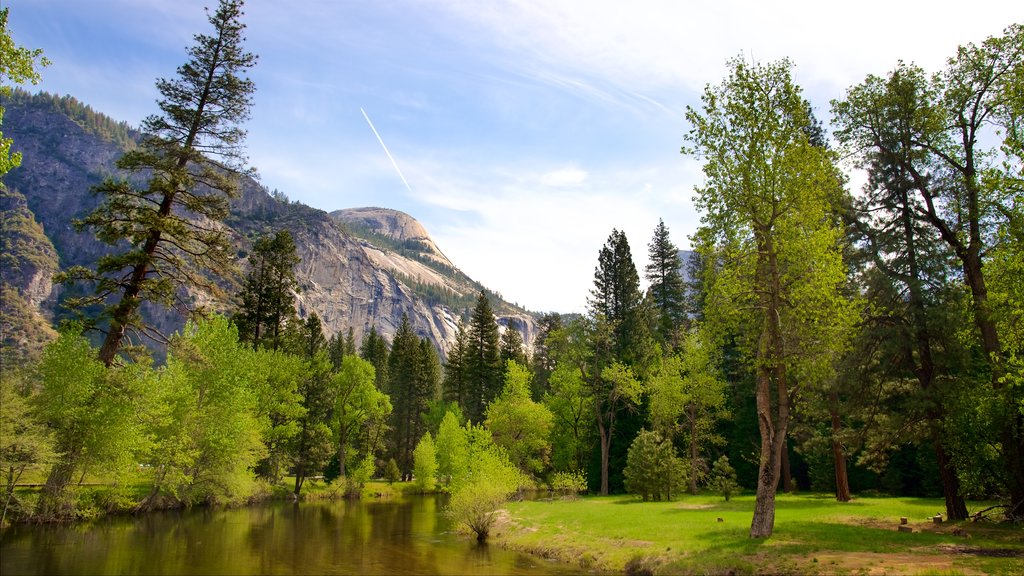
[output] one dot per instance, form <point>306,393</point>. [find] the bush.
<point>488,481</point>
<point>569,484</point>
<point>723,478</point>
<point>652,468</point>
<point>391,472</point>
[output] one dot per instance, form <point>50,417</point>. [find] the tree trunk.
<point>956,508</point>
<point>605,451</point>
<point>787,474</point>
<point>773,437</point>
<point>694,449</point>
<point>838,454</point>
<point>52,504</point>
<point>341,456</point>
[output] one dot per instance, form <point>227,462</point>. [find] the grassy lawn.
<point>813,534</point>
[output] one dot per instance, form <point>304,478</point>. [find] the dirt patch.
<point>884,563</point>
<point>988,552</point>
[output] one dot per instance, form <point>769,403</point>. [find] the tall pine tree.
<point>482,361</point>
<point>192,154</point>
<point>667,289</point>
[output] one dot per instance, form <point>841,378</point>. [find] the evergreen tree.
<point>511,346</point>
<point>192,154</point>
<point>482,361</point>
<point>414,376</point>
<point>374,349</point>
<point>616,297</point>
<point>966,187</point>
<point>667,289</point>
<point>455,387</point>
<point>268,297</point>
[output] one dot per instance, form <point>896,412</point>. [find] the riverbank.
<point>704,534</point>
<point>93,499</point>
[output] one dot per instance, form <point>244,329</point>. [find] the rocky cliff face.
<point>28,262</point>
<point>359,268</point>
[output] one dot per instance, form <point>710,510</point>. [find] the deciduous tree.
<point>18,65</point>
<point>766,205</point>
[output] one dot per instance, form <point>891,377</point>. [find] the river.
<point>411,536</point>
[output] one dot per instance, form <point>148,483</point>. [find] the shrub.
<point>723,478</point>
<point>569,484</point>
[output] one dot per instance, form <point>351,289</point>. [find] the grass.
<point>813,534</point>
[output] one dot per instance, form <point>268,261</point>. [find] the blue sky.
<point>527,129</point>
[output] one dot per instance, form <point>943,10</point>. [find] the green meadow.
<point>814,534</point>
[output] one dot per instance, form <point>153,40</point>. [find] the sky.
<point>523,131</point>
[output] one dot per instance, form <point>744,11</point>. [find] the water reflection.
<point>368,537</point>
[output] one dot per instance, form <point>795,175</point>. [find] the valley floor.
<point>814,534</point>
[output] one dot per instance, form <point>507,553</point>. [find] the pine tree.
<point>192,154</point>
<point>616,297</point>
<point>374,349</point>
<point>483,361</point>
<point>455,386</point>
<point>268,297</point>
<point>411,373</point>
<point>511,346</point>
<point>667,289</point>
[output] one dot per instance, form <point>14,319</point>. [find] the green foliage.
<point>452,449</point>
<point>518,424</point>
<point>921,131</point>
<point>24,443</point>
<point>723,478</point>
<point>414,378</point>
<point>542,359</point>
<point>374,348</point>
<point>208,433</point>
<point>93,414</point>
<point>511,345</point>
<point>279,407</point>
<point>571,406</point>
<point>768,222</point>
<point>487,481</point>
<point>687,398</point>
<point>313,444</point>
<point>425,464</point>
<point>17,64</point>
<point>653,470</point>
<point>360,412</point>
<point>569,484</point>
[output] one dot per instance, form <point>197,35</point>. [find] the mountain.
<point>360,268</point>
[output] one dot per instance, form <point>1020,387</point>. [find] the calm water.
<point>366,537</point>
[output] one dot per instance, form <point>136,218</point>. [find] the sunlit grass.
<point>813,533</point>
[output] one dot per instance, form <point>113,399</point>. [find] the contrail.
<point>390,157</point>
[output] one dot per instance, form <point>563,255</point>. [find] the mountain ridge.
<point>348,276</point>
